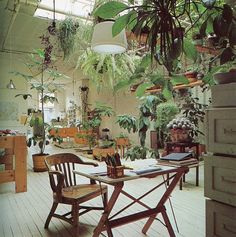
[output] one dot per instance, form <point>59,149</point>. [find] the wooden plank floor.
<point>24,214</point>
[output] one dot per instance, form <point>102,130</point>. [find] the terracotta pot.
<point>179,135</point>
<point>39,163</point>
<point>122,141</point>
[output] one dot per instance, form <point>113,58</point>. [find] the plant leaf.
<point>120,24</point>
<point>132,20</point>
<point>175,79</point>
<point>190,50</point>
<point>140,91</point>
<point>203,28</point>
<point>110,9</point>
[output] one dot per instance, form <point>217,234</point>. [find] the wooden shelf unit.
<point>178,87</point>
<point>15,162</point>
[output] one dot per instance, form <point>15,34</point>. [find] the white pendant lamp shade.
<point>104,42</point>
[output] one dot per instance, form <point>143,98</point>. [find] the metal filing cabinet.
<point>220,168</point>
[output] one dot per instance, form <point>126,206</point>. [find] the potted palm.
<point>41,78</point>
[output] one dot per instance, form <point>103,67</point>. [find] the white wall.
<point>124,102</point>
<point>11,107</point>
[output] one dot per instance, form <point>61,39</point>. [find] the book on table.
<point>177,156</point>
<point>178,159</point>
<point>189,161</point>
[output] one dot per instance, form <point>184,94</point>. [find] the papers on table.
<point>99,170</point>
<point>145,170</point>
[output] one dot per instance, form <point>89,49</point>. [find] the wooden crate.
<point>220,179</point>
<point>221,130</point>
<point>16,169</point>
<point>220,220</point>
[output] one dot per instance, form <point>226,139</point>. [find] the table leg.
<point>197,176</point>
<point>168,224</point>
<point>164,198</point>
<point>181,184</point>
<point>104,219</point>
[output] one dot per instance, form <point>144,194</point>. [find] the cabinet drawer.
<point>220,179</point>
<point>221,130</point>
<point>223,95</point>
<point>220,220</point>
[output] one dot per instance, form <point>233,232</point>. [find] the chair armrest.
<point>89,163</point>
<point>56,183</point>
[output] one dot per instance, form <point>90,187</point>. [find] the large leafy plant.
<point>167,23</point>
<point>42,78</point>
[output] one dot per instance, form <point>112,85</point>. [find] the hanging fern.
<point>106,71</point>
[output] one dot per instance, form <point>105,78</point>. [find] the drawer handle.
<point>230,131</point>
<point>228,179</point>
<point>230,229</point>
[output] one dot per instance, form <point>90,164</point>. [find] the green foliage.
<point>165,112</point>
<point>140,152</point>
<point>103,110</point>
<point>194,111</point>
<point>147,112</point>
<point>190,50</point>
<point>127,122</point>
<point>44,83</point>
<point>106,144</point>
<point>106,71</point>
<point>122,135</point>
<point>66,33</point>
<point>110,9</point>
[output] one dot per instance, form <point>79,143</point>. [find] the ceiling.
<point>20,31</point>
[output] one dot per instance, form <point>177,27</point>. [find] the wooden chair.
<point>67,191</point>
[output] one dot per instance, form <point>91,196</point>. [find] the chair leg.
<point>105,199</point>
<point>53,209</point>
<point>75,214</point>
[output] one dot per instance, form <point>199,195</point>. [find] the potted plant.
<point>140,152</point>
<point>89,126</point>
<point>127,122</point>
<point>41,77</point>
<point>168,30</point>
<point>122,140</point>
<point>165,112</point>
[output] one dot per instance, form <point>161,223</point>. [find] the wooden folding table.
<point>108,222</point>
